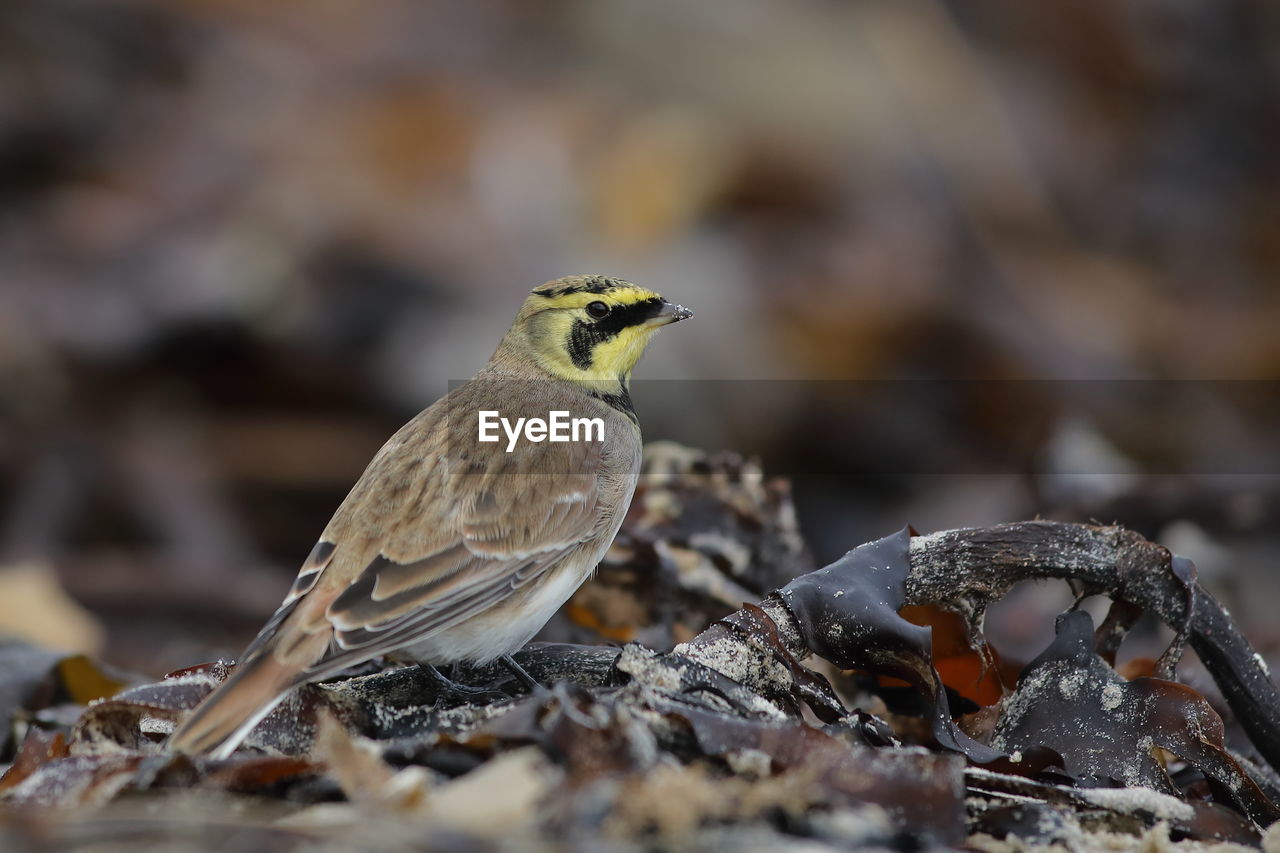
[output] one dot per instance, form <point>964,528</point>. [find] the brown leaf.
<point>38,747</point>
<point>84,682</point>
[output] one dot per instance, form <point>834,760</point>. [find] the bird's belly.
<point>510,623</point>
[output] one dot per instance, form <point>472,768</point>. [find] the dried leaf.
<point>34,606</point>
<point>84,682</point>
<point>37,748</point>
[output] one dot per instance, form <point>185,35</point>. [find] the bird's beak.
<point>669,313</point>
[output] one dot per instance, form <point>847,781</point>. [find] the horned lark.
<point>453,546</point>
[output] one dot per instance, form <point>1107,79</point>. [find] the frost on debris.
<point>729,733</point>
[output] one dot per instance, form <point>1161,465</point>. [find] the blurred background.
<point>952,264</point>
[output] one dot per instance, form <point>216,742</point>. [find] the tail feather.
<point>229,713</point>
<point>283,655</point>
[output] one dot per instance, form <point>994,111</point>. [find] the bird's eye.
<point>598,310</point>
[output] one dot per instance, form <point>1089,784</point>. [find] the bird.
<point>453,549</point>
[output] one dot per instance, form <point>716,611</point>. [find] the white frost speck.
<point>1111,696</point>
<point>1131,800</point>
<point>750,762</point>
<point>155,725</point>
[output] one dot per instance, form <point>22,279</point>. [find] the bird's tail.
<point>227,715</point>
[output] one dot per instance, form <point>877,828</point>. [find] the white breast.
<point>504,628</point>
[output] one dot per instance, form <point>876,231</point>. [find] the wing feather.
<point>425,542</point>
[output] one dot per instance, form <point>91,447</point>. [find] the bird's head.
<point>591,327</point>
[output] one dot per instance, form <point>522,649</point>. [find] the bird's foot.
<point>450,685</point>
<point>530,683</point>
<point>456,687</point>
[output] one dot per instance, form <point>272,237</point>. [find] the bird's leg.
<point>451,685</point>
<point>531,684</point>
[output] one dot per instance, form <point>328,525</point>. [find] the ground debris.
<point>729,737</point>
<point>705,533</point>
<point>1108,730</point>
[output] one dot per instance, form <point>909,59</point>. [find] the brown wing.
<point>426,540</point>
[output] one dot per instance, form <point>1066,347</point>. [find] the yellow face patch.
<point>591,327</point>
